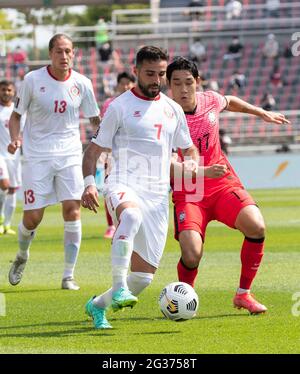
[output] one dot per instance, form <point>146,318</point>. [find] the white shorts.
<point>48,182</point>
<point>151,238</point>
<point>11,169</point>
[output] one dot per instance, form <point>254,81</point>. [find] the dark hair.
<point>151,53</point>
<point>126,75</point>
<point>181,63</point>
<point>6,82</point>
<point>56,37</point>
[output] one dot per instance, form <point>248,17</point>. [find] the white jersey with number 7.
<point>142,133</point>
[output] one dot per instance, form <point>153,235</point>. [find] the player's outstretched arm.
<point>235,104</point>
<point>14,130</point>
<point>89,198</point>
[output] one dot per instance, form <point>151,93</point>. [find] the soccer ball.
<point>178,301</point>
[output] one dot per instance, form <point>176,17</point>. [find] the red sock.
<point>251,256</point>
<point>108,217</point>
<point>185,274</point>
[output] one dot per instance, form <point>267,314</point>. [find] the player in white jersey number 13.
<point>140,128</point>
<point>53,97</point>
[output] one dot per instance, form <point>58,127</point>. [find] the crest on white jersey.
<point>74,90</point>
<point>168,112</point>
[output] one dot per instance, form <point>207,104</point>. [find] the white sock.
<point>130,221</point>
<point>104,300</point>
<point>242,290</point>
<point>25,237</point>
<point>72,241</point>
<point>3,195</point>
<point>120,260</point>
<point>136,281</point>
<point>10,206</point>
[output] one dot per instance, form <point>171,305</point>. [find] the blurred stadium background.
<point>41,318</point>
<point>255,72</point>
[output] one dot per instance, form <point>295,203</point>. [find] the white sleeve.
<point>89,104</point>
<point>24,96</point>
<point>182,138</point>
<point>108,128</point>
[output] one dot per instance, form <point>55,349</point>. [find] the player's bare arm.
<point>215,171</point>
<point>212,171</point>
<point>235,104</point>
<point>89,197</point>
<point>14,130</point>
<point>95,121</point>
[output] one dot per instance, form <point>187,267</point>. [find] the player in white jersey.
<point>10,167</point>
<point>140,127</point>
<point>53,97</point>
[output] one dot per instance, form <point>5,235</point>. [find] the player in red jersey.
<point>223,196</point>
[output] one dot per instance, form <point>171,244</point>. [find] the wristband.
<point>89,181</point>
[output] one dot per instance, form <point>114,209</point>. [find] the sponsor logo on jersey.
<point>181,217</point>
<point>168,112</point>
<point>212,118</point>
<point>42,89</point>
<point>137,113</point>
<point>74,90</point>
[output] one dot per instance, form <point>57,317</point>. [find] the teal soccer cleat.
<point>123,298</point>
<point>98,315</point>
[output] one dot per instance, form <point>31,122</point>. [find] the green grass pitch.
<point>42,318</point>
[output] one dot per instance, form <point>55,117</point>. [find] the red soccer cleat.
<point>247,301</point>
<point>109,233</point>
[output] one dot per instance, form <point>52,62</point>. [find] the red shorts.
<point>223,206</point>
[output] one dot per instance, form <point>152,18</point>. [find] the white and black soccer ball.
<point>178,301</point>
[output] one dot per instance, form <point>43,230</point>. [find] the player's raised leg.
<point>251,223</point>
<point>130,219</point>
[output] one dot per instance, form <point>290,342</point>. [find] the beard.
<point>149,91</point>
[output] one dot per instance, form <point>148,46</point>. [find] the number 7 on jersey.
<point>159,127</point>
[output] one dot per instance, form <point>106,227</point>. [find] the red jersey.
<point>204,129</point>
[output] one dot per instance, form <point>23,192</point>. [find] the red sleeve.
<point>219,101</point>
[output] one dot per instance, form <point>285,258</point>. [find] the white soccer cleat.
<point>69,284</point>
<point>16,271</point>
